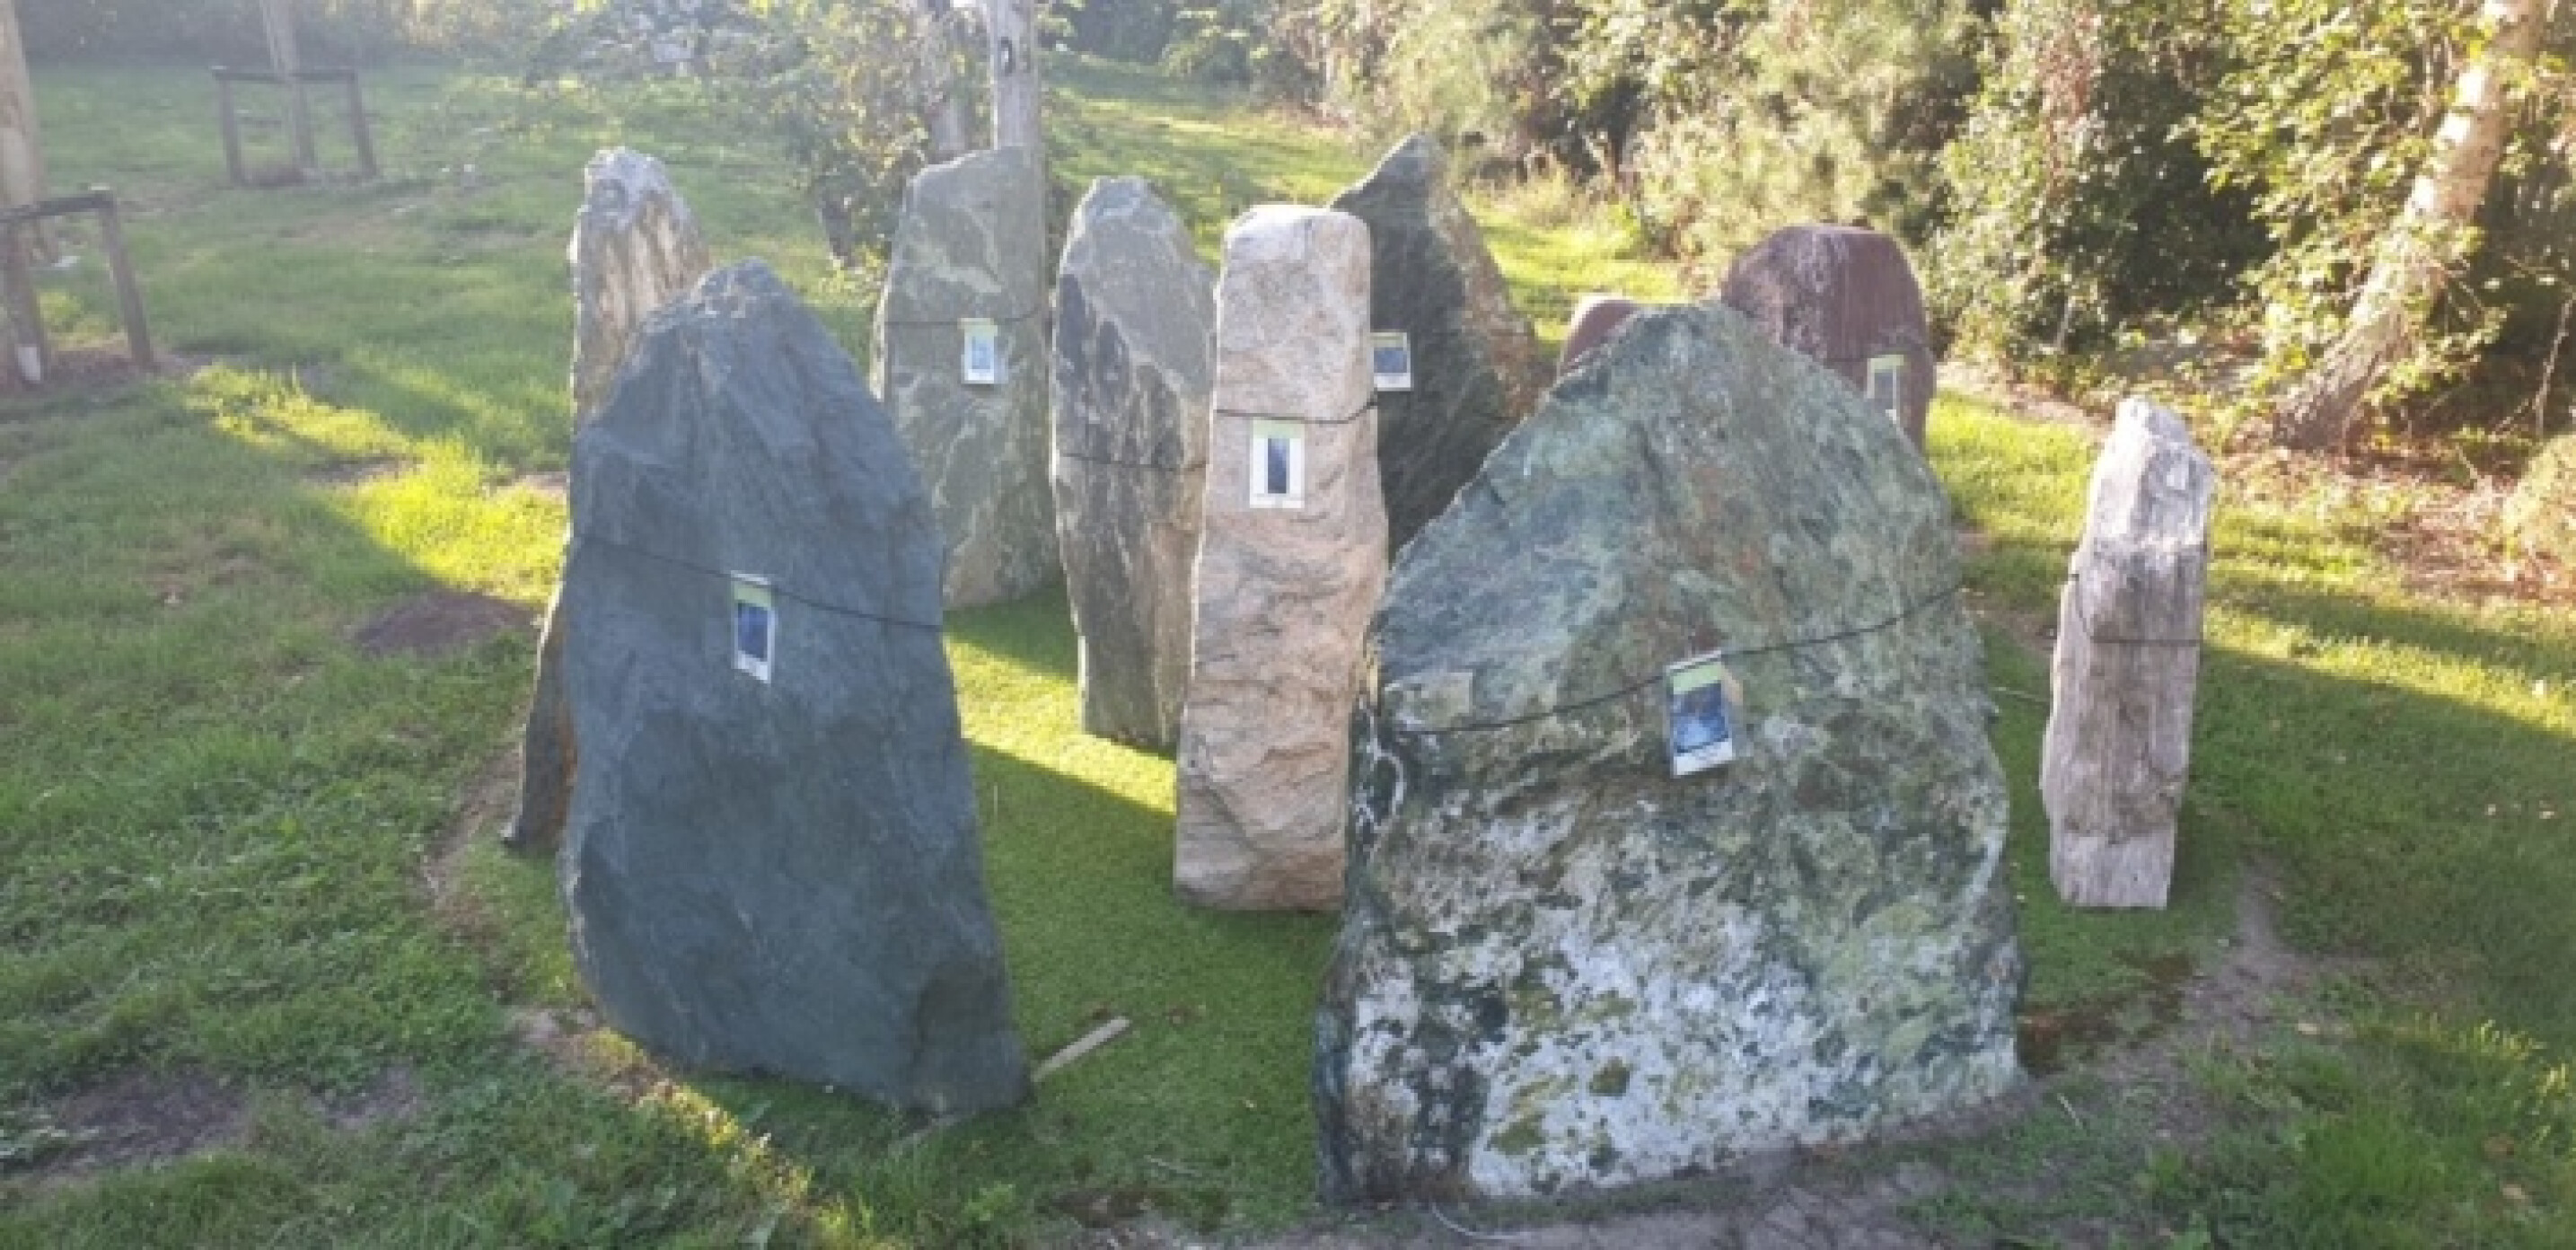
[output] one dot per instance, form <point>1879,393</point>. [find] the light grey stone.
<point>1284,593</point>
<point>972,245</point>
<point>779,875</point>
<point>1842,296</point>
<point>635,247</point>
<point>1562,968</point>
<point>2118,748</point>
<point>1477,367</point>
<point>1134,375</point>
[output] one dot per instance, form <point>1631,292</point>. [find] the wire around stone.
<point>783,592</point>
<point>1730,653</point>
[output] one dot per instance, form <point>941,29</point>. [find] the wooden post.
<point>129,297</point>
<point>31,357</point>
<point>358,131</point>
<point>1013,27</point>
<point>288,62</point>
<point>22,176</point>
<point>232,128</point>
<point>22,148</point>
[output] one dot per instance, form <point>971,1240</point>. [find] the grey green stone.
<point>972,245</point>
<point>1135,369</point>
<point>1560,968</point>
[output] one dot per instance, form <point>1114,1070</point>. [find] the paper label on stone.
<point>1278,465</point>
<point>1887,386</point>
<point>755,626</point>
<point>981,362</point>
<point>1702,719</point>
<point>1391,360</point>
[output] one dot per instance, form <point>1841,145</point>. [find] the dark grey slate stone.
<point>1135,370</point>
<point>1842,296</point>
<point>972,244</point>
<point>1477,365</point>
<point>775,876</point>
<point>1562,968</point>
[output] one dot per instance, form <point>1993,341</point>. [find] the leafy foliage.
<point>2326,118</point>
<point>2077,207</point>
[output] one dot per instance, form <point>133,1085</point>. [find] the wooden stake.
<point>129,297</point>
<point>288,62</point>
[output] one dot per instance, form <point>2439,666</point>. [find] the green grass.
<point>216,816</point>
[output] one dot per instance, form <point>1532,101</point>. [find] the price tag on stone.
<point>1702,714</point>
<point>1278,468</point>
<point>981,364</point>
<point>755,626</point>
<point>1391,360</point>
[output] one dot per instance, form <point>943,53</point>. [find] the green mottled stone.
<point>1562,969</point>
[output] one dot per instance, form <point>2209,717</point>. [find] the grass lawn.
<point>229,900</point>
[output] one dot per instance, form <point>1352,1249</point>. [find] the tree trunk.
<point>2415,255</point>
<point>946,116</point>
<point>1013,25</point>
<point>288,61</point>
<point>22,182</point>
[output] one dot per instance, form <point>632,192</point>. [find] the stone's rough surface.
<point>778,876</point>
<point>1134,364</point>
<point>1842,296</point>
<point>1477,367</point>
<point>2540,517</point>
<point>635,247</point>
<point>1284,594</point>
<point>972,245</point>
<point>1595,318</point>
<point>1560,968</point>
<point>2118,748</point>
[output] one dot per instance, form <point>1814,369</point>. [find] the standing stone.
<point>1595,318</point>
<point>972,245</point>
<point>635,247</point>
<point>2118,750</point>
<point>1477,367</point>
<point>1134,370</point>
<point>1284,592</point>
<point>1562,968</point>
<point>1847,298</point>
<point>772,874</point>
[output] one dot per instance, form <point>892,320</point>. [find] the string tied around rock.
<point>1902,615</point>
<point>782,592</point>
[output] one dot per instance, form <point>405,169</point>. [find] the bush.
<point>2540,518</point>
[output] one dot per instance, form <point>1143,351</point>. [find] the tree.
<point>2431,236</point>
<point>1013,27</point>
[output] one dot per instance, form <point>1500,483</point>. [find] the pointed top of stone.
<point>617,186</point>
<point>635,246</point>
<point>2153,486</point>
<point>1290,272</point>
<point>1477,369</point>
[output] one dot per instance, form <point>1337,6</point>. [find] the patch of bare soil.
<point>138,1118</point>
<point>87,368</point>
<point>395,1096</point>
<point>359,472</point>
<point>1991,386</point>
<point>556,485</point>
<point>439,623</point>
